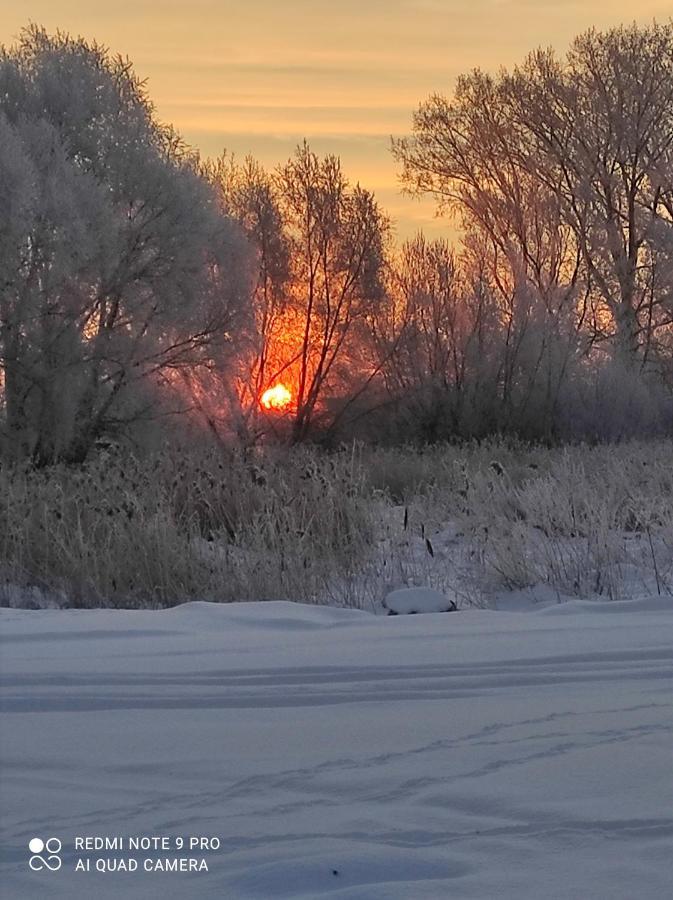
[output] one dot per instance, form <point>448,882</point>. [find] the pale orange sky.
<point>259,76</point>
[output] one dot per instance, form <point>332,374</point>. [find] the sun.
<point>276,397</point>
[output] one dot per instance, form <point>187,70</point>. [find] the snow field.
<point>334,753</point>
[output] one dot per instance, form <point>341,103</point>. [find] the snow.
<point>410,601</point>
<point>519,754</point>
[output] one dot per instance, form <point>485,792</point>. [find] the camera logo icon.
<point>45,854</point>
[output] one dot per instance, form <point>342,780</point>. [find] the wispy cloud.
<point>261,75</point>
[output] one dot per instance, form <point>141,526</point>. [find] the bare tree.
<point>336,236</point>
<point>420,331</point>
<point>249,195</point>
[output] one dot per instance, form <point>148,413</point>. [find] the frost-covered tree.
<point>118,268</point>
<point>601,129</point>
<point>566,166</point>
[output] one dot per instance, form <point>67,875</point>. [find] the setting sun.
<point>276,397</point>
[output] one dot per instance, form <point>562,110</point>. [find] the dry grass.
<point>342,528</point>
<point>205,525</point>
<point>584,521</point>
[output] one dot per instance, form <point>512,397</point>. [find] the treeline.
<point>141,284</point>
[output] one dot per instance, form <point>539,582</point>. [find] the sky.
<point>257,76</point>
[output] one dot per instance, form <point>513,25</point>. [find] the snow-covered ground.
<point>480,754</point>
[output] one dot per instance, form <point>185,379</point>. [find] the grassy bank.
<point>343,528</point>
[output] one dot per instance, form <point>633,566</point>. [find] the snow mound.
<point>410,601</point>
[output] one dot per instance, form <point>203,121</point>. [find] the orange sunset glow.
<point>258,77</point>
